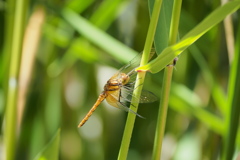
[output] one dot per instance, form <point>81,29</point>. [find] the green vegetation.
<point>56,56</point>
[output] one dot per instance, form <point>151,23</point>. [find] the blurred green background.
<point>64,69</point>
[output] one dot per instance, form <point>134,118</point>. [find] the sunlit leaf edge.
<point>171,52</point>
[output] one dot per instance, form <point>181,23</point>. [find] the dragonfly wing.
<point>130,67</point>
<point>113,101</point>
<point>135,62</point>
<point>146,96</point>
<point>124,107</point>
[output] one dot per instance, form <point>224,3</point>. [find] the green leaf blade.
<point>98,37</point>
<point>51,150</point>
<point>213,19</point>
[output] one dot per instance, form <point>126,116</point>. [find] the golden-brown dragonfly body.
<point>118,90</point>
<point>101,97</point>
<point>111,91</point>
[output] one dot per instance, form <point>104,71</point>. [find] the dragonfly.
<point>118,90</point>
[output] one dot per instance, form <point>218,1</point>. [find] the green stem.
<point>162,114</point>
<point>140,79</point>
<point>9,18</point>
<point>130,121</point>
<point>232,118</point>
<point>167,78</point>
<point>151,32</point>
<point>11,104</point>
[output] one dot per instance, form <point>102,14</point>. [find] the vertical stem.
<point>162,115</point>
<point>8,35</point>
<point>232,116</point>
<point>11,105</point>
<point>30,44</point>
<point>175,22</point>
<point>140,79</point>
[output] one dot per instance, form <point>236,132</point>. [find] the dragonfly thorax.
<point>114,84</point>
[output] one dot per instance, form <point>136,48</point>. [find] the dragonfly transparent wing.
<point>114,101</point>
<point>130,67</point>
<point>125,94</point>
<point>145,97</point>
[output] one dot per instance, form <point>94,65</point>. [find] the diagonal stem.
<point>140,79</point>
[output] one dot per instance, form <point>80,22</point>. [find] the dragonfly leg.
<point>120,95</point>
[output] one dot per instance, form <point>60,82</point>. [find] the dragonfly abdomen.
<point>101,97</point>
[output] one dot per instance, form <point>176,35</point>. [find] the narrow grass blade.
<point>51,150</point>
<point>13,82</point>
<point>171,52</point>
<point>163,26</point>
<point>98,37</point>
<point>233,103</point>
<point>167,79</point>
